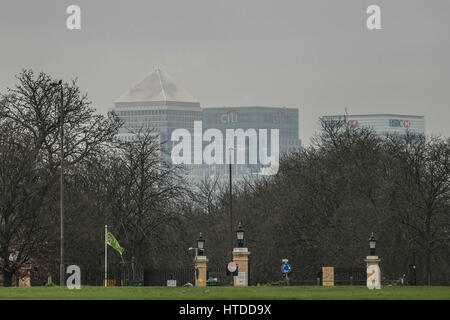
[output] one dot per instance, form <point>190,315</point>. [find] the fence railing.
<point>117,276</point>
<point>159,277</point>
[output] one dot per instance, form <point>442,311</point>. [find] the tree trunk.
<point>428,267</point>
<point>429,215</point>
<point>7,279</point>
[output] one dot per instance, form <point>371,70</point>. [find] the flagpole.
<point>106,255</point>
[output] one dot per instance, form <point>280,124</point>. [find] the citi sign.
<point>233,150</point>
<point>230,117</point>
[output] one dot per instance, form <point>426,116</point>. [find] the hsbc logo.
<point>399,123</point>
<point>352,123</point>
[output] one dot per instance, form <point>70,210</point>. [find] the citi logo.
<point>230,117</point>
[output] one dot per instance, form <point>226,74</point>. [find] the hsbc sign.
<point>392,123</point>
<point>399,123</point>
<point>352,123</point>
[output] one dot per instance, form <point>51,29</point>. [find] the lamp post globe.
<point>240,235</point>
<point>200,245</point>
<point>372,244</point>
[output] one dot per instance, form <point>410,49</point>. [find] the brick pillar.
<point>200,271</point>
<point>327,276</point>
<point>373,272</point>
<point>240,257</point>
<point>25,281</point>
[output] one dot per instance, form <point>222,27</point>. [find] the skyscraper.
<point>157,103</point>
<point>284,119</point>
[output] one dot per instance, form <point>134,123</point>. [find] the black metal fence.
<point>159,277</point>
<point>350,276</point>
<point>123,276</point>
<point>117,276</point>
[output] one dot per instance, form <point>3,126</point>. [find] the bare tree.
<point>421,193</point>
<point>23,226</point>
<point>30,117</point>
<point>143,190</point>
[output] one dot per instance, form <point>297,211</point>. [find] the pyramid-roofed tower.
<point>157,103</point>
<point>159,89</point>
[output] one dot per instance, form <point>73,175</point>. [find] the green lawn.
<point>211,293</point>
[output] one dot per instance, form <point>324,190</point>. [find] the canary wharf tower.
<point>157,103</point>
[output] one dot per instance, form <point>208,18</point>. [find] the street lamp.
<point>240,235</point>
<point>372,244</point>
<point>201,245</point>
<point>61,184</point>
<point>231,200</point>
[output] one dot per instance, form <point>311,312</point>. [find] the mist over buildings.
<point>315,55</point>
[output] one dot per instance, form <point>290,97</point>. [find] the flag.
<point>112,241</point>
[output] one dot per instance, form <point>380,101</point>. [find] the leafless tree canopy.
<point>318,210</point>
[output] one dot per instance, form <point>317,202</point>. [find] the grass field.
<point>212,293</point>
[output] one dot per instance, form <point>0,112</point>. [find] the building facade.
<point>157,103</point>
<point>284,119</point>
<point>384,124</point>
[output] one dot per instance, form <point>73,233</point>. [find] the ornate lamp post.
<point>240,257</point>
<point>240,235</point>
<point>201,245</point>
<point>372,244</point>
<point>200,262</point>
<point>373,266</point>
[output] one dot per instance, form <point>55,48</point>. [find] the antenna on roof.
<point>162,86</point>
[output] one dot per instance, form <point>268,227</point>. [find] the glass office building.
<point>157,103</point>
<point>384,124</point>
<point>284,119</point>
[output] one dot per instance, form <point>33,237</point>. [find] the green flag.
<point>112,241</point>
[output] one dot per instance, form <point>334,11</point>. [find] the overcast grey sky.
<point>316,54</point>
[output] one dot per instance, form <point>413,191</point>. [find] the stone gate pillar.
<point>200,271</point>
<point>373,272</point>
<point>240,257</point>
